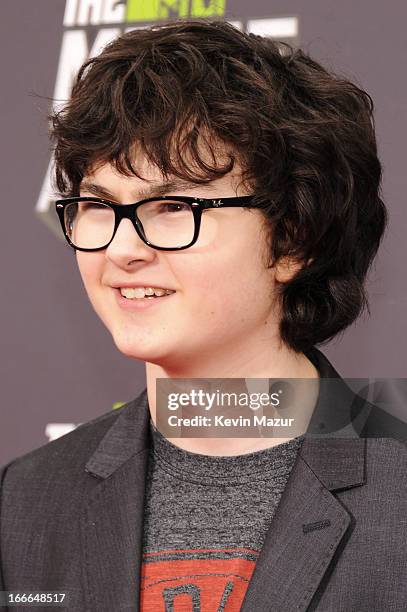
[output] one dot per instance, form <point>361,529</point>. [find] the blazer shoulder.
<point>65,454</point>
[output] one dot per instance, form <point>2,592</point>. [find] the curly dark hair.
<point>305,138</point>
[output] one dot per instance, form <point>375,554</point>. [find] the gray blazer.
<point>71,515</point>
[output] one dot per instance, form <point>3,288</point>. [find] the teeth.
<point>141,292</point>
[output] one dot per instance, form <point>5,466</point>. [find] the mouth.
<point>140,294</point>
<point>136,303</point>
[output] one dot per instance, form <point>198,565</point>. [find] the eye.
<point>173,207</point>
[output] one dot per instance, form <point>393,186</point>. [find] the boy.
<point>222,198</point>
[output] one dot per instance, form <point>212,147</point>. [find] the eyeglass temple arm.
<point>228,202</point>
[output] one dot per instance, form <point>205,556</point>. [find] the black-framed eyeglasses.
<point>167,223</point>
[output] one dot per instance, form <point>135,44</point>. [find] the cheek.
<point>227,290</point>
<point>90,268</point>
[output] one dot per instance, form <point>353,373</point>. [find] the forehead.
<point>109,182</point>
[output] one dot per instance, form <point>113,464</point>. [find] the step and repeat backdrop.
<point>59,364</point>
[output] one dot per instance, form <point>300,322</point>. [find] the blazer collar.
<point>128,436</point>
<point>307,530</point>
<point>333,448</point>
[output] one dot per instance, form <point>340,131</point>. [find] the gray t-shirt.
<point>205,521</point>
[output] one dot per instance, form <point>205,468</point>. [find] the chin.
<point>133,347</point>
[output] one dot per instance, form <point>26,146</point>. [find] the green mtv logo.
<point>152,10</point>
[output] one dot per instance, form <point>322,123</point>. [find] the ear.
<point>286,268</point>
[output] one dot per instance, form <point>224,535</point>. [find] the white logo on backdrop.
<point>56,430</point>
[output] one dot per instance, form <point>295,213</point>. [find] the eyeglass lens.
<point>165,223</point>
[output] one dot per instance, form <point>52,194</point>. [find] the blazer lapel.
<point>310,526</point>
<point>112,517</point>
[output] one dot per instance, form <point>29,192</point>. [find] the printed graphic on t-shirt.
<point>200,580</point>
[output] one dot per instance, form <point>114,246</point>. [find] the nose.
<point>127,245</point>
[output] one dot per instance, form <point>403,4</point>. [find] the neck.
<point>274,361</point>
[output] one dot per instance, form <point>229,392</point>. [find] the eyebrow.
<point>156,190</point>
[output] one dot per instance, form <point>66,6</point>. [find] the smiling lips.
<point>142,292</point>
